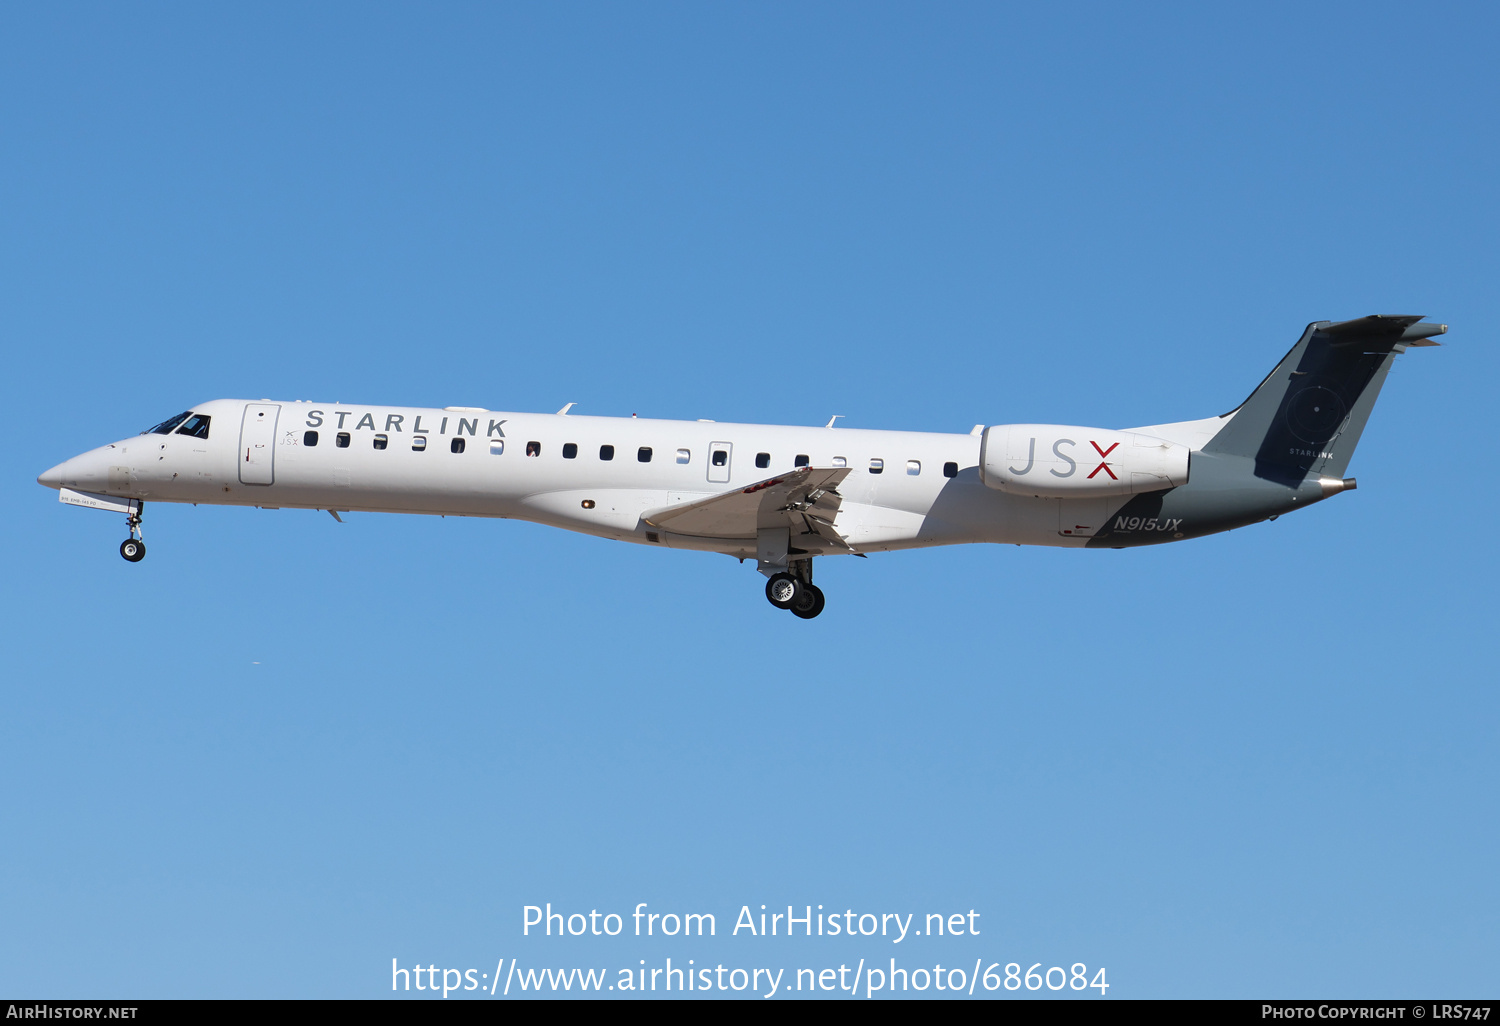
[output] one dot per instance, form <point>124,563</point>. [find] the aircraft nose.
<point>84,471</point>
<point>52,478</point>
<point>88,471</point>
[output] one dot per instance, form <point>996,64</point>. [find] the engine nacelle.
<point>1076,462</point>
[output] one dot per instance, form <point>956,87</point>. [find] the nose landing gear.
<point>132,548</point>
<point>793,589</point>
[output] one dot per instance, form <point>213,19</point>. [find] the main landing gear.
<point>793,589</point>
<point>132,548</point>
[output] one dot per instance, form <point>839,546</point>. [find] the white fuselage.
<point>780,495</point>
<point>513,465</point>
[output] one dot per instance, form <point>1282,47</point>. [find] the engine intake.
<point>1073,462</point>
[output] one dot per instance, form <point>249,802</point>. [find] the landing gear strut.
<point>132,548</point>
<point>793,589</point>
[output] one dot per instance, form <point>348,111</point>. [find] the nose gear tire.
<point>133,550</point>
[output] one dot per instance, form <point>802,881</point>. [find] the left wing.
<point>805,500</point>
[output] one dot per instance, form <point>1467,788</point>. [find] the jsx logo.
<point>1065,458</point>
<point>1103,455</point>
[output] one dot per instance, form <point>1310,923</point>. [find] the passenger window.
<point>419,444</point>
<point>801,460</point>
<point>457,445</point>
<point>198,428</point>
<point>762,460</point>
<point>606,452</point>
<point>643,454</point>
<point>380,441</point>
<point>684,455</point>
<point>341,440</point>
<point>913,467</point>
<point>839,461</point>
<point>166,427</point>
<point>533,448</point>
<point>950,469</point>
<point>309,438</point>
<point>570,451</point>
<point>720,457</point>
<point>877,466</point>
<point>497,446</point>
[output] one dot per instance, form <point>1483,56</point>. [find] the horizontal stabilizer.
<point>1389,328</point>
<point>807,492</point>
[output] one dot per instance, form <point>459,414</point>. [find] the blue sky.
<point>281,751</point>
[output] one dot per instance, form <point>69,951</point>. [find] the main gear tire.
<point>810,603</point>
<point>783,590</point>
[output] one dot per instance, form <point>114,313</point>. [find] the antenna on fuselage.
<point>564,411</point>
<point>835,417</point>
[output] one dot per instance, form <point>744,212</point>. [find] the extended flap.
<point>744,511</point>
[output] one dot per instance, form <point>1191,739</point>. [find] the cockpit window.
<point>166,426</point>
<point>197,427</point>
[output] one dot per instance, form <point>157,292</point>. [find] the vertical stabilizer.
<point>1307,416</point>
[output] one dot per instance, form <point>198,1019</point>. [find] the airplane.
<point>780,495</point>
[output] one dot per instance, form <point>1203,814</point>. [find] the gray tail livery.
<point>1287,446</point>
<point>1307,415</point>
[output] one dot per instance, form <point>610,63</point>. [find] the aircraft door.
<point>258,443</point>
<point>718,461</point>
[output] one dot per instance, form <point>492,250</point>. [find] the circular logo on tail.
<point>1315,414</point>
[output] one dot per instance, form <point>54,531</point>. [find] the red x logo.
<point>1102,454</point>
